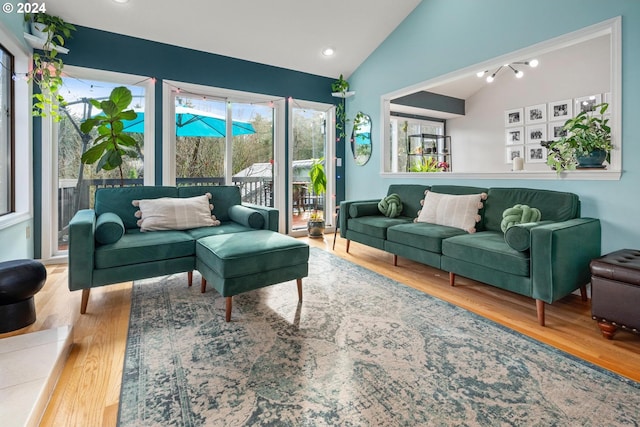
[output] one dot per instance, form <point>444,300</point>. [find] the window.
<point>402,130</point>
<point>6,132</point>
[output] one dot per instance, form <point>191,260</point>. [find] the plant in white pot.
<point>316,224</point>
<point>587,143</point>
<point>47,65</point>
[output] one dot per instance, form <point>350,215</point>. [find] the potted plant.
<point>340,89</point>
<point>315,225</point>
<point>112,143</point>
<point>587,142</point>
<point>47,66</point>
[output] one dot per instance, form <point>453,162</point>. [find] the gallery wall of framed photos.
<point>526,127</point>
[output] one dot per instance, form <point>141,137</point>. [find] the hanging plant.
<point>340,88</point>
<point>47,66</point>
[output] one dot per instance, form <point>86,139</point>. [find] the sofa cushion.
<point>519,214</point>
<point>410,194</point>
<point>422,235</point>
<point>246,216</point>
<point>224,228</point>
<point>375,226</point>
<point>118,200</point>
<point>136,247</point>
<point>175,213</point>
<point>359,209</point>
<point>459,211</point>
<point>109,228</point>
<point>553,205</point>
<point>222,197</point>
<point>489,250</point>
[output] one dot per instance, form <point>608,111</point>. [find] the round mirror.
<point>361,139</point>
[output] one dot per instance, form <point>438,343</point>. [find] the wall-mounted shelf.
<point>38,43</point>
<point>343,94</point>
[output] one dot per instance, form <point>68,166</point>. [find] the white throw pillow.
<point>459,211</point>
<point>180,213</point>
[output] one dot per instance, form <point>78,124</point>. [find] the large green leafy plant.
<point>47,65</point>
<point>340,86</point>
<point>112,143</point>
<point>585,133</point>
<point>318,184</point>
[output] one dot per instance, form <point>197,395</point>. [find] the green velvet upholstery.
<point>518,236</point>
<point>246,216</point>
<point>410,195</point>
<point>257,251</point>
<point>109,228</point>
<point>137,247</point>
<point>138,255</point>
<point>546,260</point>
<point>118,201</point>
<point>553,205</point>
<point>364,209</point>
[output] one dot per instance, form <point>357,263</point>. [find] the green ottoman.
<point>240,262</point>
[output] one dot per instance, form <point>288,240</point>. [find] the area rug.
<point>360,350</point>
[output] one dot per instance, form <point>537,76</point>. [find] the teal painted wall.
<point>442,36</point>
<point>14,241</point>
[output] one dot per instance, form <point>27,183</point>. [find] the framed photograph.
<point>560,110</point>
<point>587,103</point>
<point>536,154</point>
<point>513,117</point>
<point>514,136</point>
<point>514,151</point>
<point>535,114</point>
<point>536,134</point>
<point>555,131</point>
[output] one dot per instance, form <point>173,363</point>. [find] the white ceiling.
<point>283,33</point>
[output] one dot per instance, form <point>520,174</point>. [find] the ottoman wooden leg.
<point>607,330</point>
<point>299,282</point>
<point>228,304</point>
<point>203,285</point>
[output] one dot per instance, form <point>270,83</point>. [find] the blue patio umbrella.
<point>192,122</point>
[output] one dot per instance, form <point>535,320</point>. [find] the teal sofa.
<point>545,260</point>
<point>137,255</point>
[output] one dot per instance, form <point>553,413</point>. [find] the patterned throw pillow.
<point>180,213</point>
<point>459,211</point>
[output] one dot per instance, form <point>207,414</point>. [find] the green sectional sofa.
<point>106,244</point>
<point>545,260</point>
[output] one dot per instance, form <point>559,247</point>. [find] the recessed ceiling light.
<point>328,51</point>
<point>121,1</point>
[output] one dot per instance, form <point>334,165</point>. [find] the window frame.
<point>10,173</point>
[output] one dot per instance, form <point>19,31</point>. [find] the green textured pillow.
<point>390,206</point>
<point>246,216</point>
<point>518,236</point>
<point>109,228</point>
<point>363,209</point>
<point>519,214</point>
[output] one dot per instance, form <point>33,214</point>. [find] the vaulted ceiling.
<point>284,33</point>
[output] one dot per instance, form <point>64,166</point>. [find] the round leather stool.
<point>20,280</point>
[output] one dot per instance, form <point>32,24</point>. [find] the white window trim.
<point>49,251</point>
<point>168,132</point>
<point>23,143</point>
<point>612,26</point>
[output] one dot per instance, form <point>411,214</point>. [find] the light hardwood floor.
<point>88,391</point>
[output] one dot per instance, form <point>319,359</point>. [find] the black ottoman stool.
<point>615,291</point>
<point>20,280</point>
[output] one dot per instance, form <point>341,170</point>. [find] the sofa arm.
<point>271,215</point>
<point>560,256</point>
<point>81,249</point>
<point>345,207</point>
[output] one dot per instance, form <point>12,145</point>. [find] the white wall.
<point>478,138</point>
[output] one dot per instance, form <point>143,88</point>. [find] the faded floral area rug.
<point>361,350</point>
